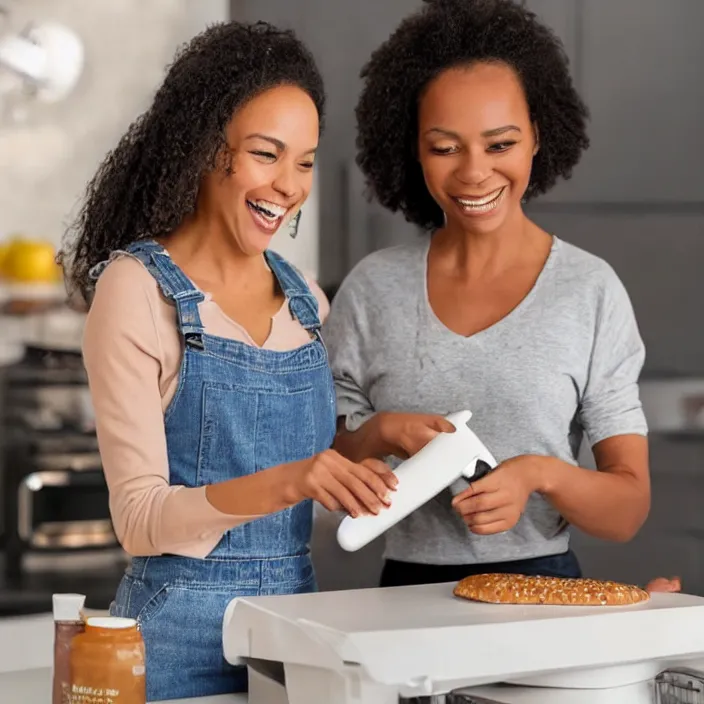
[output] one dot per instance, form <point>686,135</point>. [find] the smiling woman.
<point>213,397</point>
<point>468,111</point>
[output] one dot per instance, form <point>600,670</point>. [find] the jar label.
<point>94,695</point>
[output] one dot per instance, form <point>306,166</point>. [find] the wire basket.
<point>679,686</point>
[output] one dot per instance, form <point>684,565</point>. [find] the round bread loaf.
<point>557,591</point>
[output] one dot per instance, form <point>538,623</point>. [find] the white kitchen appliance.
<point>446,459</point>
<point>420,643</point>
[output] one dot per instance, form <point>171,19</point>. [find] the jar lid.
<point>114,622</point>
<point>68,607</point>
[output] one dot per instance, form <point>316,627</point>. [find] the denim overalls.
<point>237,409</point>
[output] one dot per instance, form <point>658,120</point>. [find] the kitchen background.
<point>637,200</point>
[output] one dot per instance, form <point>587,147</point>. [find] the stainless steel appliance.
<point>54,491</point>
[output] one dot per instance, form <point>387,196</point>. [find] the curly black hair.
<point>149,183</point>
<point>447,34</point>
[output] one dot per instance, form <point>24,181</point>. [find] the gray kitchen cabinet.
<point>637,66</point>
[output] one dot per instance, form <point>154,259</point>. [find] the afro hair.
<point>447,34</point>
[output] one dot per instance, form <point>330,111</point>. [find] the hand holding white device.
<point>444,460</point>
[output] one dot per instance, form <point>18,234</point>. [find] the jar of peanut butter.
<point>107,663</point>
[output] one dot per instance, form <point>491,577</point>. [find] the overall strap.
<point>175,286</point>
<point>302,303</point>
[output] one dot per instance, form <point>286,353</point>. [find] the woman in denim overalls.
<point>194,192</point>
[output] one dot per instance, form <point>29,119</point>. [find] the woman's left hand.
<point>496,502</point>
<point>663,584</point>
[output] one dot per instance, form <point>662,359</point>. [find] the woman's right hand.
<point>339,484</point>
<point>405,434</point>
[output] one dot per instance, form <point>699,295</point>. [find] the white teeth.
<point>479,202</point>
<point>273,210</point>
<point>267,214</point>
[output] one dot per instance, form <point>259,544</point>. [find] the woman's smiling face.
<point>476,144</point>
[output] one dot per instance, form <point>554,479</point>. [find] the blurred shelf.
<point>37,292</point>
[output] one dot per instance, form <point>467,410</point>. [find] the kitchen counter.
<point>34,687</point>
<point>26,643</point>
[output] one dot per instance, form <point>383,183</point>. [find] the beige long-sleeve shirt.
<point>132,352</point>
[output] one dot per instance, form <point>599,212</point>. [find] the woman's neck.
<point>206,250</point>
<point>475,255</point>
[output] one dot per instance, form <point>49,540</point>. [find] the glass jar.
<point>68,623</point>
<point>108,663</point>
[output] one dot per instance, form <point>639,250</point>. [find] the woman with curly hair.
<point>213,396</point>
<point>467,112</point>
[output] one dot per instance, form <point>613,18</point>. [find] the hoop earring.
<point>293,225</point>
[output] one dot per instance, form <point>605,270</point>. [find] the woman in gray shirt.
<point>468,110</point>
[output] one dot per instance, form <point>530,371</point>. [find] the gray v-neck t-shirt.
<point>564,363</point>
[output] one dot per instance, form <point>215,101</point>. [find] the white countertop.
<point>26,643</point>
<point>34,687</point>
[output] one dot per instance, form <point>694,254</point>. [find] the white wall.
<point>46,162</point>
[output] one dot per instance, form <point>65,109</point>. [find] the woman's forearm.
<point>257,494</point>
<point>611,505</point>
<point>328,478</point>
<point>388,433</point>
